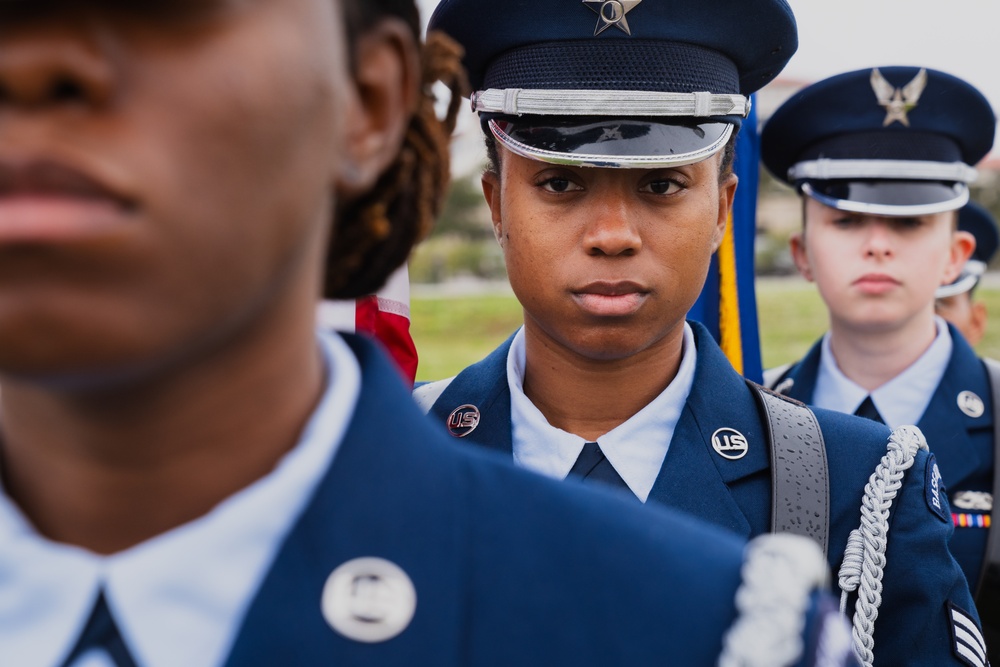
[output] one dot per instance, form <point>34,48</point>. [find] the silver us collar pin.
<point>612,13</point>
<point>730,444</point>
<point>970,404</point>
<point>369,600</point>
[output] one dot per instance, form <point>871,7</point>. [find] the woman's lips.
<point>47,202</point>
<point>611,299</point>
<point>876,283</point>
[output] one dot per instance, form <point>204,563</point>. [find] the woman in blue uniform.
<point>191,474</point>
<point>882,185</point>
<point>610,130</point>
<point>882,158</point>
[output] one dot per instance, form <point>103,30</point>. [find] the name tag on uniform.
<point>934,489</point>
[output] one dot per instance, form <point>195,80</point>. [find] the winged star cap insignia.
<point>612,13</point>
<point>898,101</point>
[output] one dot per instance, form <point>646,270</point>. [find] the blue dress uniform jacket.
<point>509,568</point>
<point>921,577</point>
<point>962,444</point>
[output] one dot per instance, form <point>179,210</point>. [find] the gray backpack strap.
<point>989,576</point>
<point>800,479</point>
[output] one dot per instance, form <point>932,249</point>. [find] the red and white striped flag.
<point>384,316</point>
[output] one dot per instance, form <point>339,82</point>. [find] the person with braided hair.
<point>423,170</point>
<point>192,474</point>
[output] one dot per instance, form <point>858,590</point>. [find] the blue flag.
<point>728,302</point>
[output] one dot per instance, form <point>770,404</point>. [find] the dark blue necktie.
<point>101,632</point>
<point>868,411</point>
<point>592,465</point>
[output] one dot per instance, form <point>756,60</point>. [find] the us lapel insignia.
<point>369,600</point>
<point>730,444</point>
<point>898,102</point>
<point>463,420</point>
<point>612,13</point>
<point>970,404</point>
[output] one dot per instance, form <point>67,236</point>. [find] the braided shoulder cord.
<point>780,572</point>
<point>864,558</point>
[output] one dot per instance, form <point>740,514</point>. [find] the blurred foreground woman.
<point>192,475</point>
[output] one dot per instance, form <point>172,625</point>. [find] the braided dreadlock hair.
<point>375,233</point>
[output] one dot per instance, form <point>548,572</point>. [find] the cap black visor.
<point>626,143</point>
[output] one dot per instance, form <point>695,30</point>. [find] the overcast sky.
<point>961,37</point>
<point>957,36</point>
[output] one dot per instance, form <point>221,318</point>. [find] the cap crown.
<point>739,44</point>
<point>885,113</point>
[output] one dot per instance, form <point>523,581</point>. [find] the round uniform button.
<point>970,404</point>
<point>369,600</point>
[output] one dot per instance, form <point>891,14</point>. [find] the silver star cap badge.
<point>612,13</point>
<point>898,102</point>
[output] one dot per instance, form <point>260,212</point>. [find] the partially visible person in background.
<point>882,159</point>
<point>956,301</point>
<point>194,475</point>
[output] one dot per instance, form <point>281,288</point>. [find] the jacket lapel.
<point>948,429</point>
<point>484,386</point>
<point>380,498</point>
<point>695,478</point>
<point>800,382</point>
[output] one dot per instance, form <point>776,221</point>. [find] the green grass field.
<point>452,332</point>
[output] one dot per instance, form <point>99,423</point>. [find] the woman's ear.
<point>386,77</point>
<point>727,194</point>
<point>797,246</point>
<point>491,190</point>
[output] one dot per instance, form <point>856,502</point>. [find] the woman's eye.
<point>559,185</point>
<point>662,187</point>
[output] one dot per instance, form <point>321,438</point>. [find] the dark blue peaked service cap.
<point>617,83</point>
<point>884,141</point>
<point>979,222</point>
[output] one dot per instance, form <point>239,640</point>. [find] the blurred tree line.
<point>461,245</point>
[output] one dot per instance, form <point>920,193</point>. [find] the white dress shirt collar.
<point>178,598</point>
<point>636,448</point>
<point>901,400</point>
